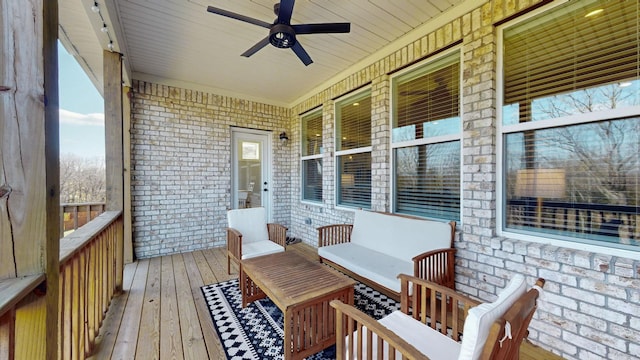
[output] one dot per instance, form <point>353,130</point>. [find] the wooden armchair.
<point>489,330</point>
<point>249,235</point>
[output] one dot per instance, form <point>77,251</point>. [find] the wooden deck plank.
<point>148,346</point>
<point>127,339</point>
<point>193,345</point>
<point>214,347</point>
<point>106,339</point>
<point>170,337</point>
<point>217,259</point>
<point>206,274</point>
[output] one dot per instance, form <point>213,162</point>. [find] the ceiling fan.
<point>281,33</point>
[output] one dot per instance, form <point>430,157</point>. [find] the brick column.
<point>380,144</point>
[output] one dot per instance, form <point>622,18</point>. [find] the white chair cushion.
<point>251,223</point>
<point>259,248</point>
<point>480,318</point>
<point>426,340</point>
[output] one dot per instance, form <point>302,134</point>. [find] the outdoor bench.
<point>379,246</point>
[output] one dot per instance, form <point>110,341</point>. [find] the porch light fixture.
<point>283,138</point>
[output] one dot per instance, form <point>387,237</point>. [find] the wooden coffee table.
<point>302,289</point>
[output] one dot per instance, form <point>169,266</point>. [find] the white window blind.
<point>574,176</point>
<point>312,157</point>
<point>426,140</point>
<point>567,61</point>
<point>353,151</point>
<point>427,101</point>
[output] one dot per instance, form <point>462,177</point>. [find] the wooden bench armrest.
<point>277,234</point>
<point>350,319</point>
<point>437,266</point>
<point>234,243</point>
<point>334,234</point>
<point>431,300</point>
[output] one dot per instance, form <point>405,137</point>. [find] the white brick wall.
<point>591,305</point>
<point>181,157</point>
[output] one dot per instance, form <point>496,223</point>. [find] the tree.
<point>82,179</point>
<point>604,152</point>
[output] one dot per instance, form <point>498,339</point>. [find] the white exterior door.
<point>251,169</point>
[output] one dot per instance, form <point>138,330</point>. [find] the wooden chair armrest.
<point>277,234</point>
<point>234,242</point>
<point>431,300</point>
<point>334,234</point>
<point>350,319</point>
<point>437,266</point>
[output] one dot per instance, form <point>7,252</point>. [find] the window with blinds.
<point>353,151</point>
<point>312,157</point>
<point>571,123</point>
<point>426,140</point>
<point>427,101</point>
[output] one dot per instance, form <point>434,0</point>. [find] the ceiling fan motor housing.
<point>282,36</point>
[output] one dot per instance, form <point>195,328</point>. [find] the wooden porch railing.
<point>620,223</point>
<point>73,216</point>
<point>91,268</point>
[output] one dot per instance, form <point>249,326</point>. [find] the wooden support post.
<point>126,141</point>
<point>29,167</point>
<point>52,162</point>
<point>114,145</point>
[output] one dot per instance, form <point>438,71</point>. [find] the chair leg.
<point>228,264</point>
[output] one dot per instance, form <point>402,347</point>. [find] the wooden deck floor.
<point>161,313</point>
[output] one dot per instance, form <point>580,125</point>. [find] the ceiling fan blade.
<point>302,54</point>
<point>233,15</point>
<point>326,28</point>
<point>286,9</point>
<point>254,49</point>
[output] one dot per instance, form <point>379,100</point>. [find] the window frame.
<point>575,119</point>
<point>351,97</point>
<point>304,158</point>
<point>428,140</point>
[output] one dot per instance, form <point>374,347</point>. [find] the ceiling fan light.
<point>282,36</point>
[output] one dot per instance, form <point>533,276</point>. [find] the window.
<point>312,157</point>
<point>426,140</point>
<point>571,124</point>
<point>353,151</point>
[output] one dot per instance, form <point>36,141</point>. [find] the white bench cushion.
<point>259,248</point>
<point>480,318</point>
<point>373,265</point>
<point>251,223</point>
<point>399,236</point>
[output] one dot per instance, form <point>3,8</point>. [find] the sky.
<point>81,110</point>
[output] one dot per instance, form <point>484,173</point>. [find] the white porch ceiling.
<point>177,42</point>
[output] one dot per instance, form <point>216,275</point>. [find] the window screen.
<point>427,101</point>
<point>428,180</point>
<point>574,176</point>
<point>312,157</point>
<point>426,140</point>
<point>353,151</point>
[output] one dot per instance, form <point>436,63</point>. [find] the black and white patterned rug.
<point>255,332</point>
